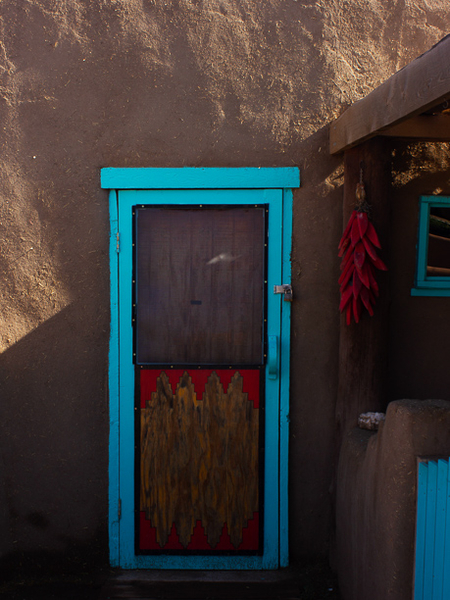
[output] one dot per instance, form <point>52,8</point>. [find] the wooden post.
<point>363,346</point>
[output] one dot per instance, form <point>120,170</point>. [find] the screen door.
<point>201,365</point>
<point>199,341</point>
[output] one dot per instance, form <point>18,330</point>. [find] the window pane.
<point>438,262</point>
<point>199,285</point>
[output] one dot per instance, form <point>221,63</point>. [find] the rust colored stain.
<point>199,457</point>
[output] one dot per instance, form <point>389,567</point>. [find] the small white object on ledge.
<point>371,420</point>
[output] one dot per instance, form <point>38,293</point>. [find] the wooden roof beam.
<point>422,84</point>
<point>435,128</point>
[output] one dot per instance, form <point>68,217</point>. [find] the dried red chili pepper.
<point>357,248</point>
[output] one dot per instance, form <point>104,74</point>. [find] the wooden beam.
<point>363,346</point>
<point>411,91</point>
<point>434,128</point>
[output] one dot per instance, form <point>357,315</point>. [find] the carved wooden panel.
<point>199,460</point>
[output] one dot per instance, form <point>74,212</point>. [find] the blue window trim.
<point>116,179</point>
<point>425,285</point>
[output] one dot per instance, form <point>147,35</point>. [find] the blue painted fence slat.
<point>442,471</point>
<point>446,578</point>
<point>420,528</point>
<point>430,525</point>
<point>432,564</point>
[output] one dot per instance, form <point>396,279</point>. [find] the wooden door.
<point>200,377</point>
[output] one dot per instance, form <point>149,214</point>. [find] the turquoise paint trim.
<point>422,243</point>
<point>446,578</point>
<point>272,356</point>
<point>128,198</point>
<point>435,200</point>
<point>424,285</point>
<point>420,530</point>
<point>126,387</point>
<point>436,282</point>
<point>432,560</point>
<point>113,376</point>
<point>285,381</point>
<point>431,292</point>
<point>271,485</point>
<point>439,548</point>
<point>430,520</point>
<point>199,178</point>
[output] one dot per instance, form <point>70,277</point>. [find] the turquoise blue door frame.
<point>271,187</point>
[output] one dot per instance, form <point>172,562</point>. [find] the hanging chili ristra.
<point>359,260</point>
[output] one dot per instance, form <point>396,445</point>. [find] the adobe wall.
<point>419,326</point>
<point>160,83</point>
<point>376,498</point>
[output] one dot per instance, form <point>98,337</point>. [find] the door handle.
<point>272,356</point>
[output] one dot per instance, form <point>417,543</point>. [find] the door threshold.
<point>282,584</point>
<point>169,575</point>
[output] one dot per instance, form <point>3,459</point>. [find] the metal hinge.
<point>119,510</point>
<point>117,242</point>
<point>286,289</point>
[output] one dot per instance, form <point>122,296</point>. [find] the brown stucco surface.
<point>419,326</point>
<point>146,83</point>
<point>376,498</point>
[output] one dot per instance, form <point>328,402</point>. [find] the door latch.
<point>285,289</point>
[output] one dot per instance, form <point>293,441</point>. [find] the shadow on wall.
<point>53,444</point>
<point>376,498</point>
<point>419,339</point>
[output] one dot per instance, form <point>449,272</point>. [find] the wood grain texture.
<point>363,346</point>
<point>199,459</point>
<point>422,84</point>
<point>430,127</point>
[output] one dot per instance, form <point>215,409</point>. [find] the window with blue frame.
<point>433,247</point>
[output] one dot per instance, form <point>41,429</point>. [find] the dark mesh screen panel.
<point>199,285</point>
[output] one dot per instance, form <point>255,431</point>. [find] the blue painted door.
<point>152,512</point>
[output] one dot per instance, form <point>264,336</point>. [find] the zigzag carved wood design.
<point>199,459</point>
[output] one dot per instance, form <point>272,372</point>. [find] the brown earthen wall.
<point>419,327</point>
<point>376,498</point>
<point>160,83</point>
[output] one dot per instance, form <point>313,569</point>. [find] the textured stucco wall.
<point>376,498</point>
<point>419,326</point>
<point>163,83</point>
